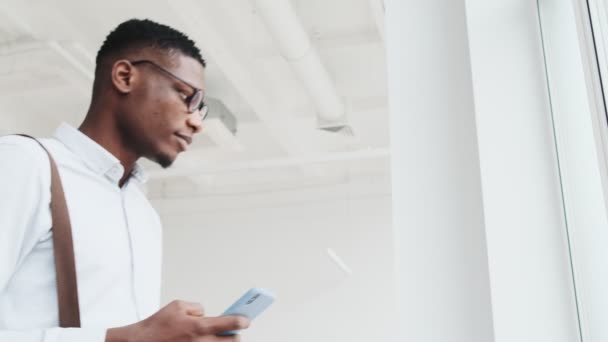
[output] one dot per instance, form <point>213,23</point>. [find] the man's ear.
<point>123,75</point>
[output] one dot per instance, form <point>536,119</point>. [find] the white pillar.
<point>442,267</point>
<point>532,284</point>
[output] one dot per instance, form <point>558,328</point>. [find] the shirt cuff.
<point>75,335</point>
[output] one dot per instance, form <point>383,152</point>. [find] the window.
<point>575,40</point>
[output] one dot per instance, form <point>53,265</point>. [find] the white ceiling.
<point>47,51</point>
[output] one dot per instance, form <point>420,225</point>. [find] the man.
<point>147,102</point>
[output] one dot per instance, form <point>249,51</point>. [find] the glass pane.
<point>574,55</point>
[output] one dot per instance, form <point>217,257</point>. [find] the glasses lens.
<point>203,111</point>
<point>195,101</point>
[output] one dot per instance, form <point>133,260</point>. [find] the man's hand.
<point>179,322</point>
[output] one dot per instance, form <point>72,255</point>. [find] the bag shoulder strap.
<point>63,248</point>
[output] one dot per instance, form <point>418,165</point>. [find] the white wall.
<point>441,255</point>
<point>532,284</point>
<point>216,247</point>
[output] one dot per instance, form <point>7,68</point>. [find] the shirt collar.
<point>94,155</point>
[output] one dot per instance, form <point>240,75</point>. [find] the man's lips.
<point>186,138</point>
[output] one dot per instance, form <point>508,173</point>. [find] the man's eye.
<point>183,95</point>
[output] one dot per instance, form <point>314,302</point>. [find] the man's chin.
<point>164,161</point>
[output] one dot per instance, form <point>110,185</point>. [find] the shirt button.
<point>115,172</point>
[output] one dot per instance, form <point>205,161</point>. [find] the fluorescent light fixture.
<point>339,262</point>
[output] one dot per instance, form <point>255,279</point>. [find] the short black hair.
<point>137,33</point>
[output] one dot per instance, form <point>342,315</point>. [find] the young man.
<point>147,102</point>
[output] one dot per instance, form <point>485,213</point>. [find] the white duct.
<point>294,43</point>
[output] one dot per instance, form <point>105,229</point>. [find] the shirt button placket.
<point>123,194</point>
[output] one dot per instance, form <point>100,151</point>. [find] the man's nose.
<point>196,122</point>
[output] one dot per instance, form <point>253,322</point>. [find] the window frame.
<point>577,75</point>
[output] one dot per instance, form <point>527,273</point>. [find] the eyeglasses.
<point>195,101</point>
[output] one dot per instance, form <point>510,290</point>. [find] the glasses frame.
<point>202,108</point>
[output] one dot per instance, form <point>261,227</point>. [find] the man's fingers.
<point>190,308</point>
<point>196,312</point>
<point>216,325</point>
<point>235,338</point>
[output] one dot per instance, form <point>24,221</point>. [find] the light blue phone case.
<point>250,305</point>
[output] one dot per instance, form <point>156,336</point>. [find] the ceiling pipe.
<point>285,27</point>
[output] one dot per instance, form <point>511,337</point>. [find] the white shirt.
<point>116,233</point>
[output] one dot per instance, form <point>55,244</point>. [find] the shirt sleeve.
<point>55,335</point>
<point>24,201</point>
<point>24,217</point>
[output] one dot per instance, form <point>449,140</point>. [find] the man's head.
<point>149,80</point>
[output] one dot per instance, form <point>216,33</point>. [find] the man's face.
<point>157,121</point>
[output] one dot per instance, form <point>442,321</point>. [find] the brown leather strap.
<point>67,289</point>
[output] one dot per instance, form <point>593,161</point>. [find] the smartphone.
<point>250,305</point>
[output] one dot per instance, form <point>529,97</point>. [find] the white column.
<point>442,265</point>
<point>532,286</point>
